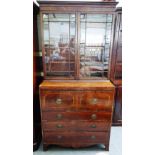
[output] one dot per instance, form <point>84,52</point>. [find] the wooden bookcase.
<point>76,96</point>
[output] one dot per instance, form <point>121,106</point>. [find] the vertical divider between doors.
<point>77,57</point>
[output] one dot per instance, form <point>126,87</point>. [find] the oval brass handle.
<point>93,126</point>
<point>93,101</point>
<point>93,116</point>
<point>59,137</point>
<point>93,137</point>
<point>59,126</point>
<point>59,116</point>
<point>59,101</point>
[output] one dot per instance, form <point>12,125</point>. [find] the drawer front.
<point>76,126</point>
<point>65,116</point>
<point>97,101</point>
<point>77,101</point>
<point>94,126</point>
<point>76,137</point>
<point>58,101</point>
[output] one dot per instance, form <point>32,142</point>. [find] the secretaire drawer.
<point>90,116</point>
<point>76,126</point>
<point>58,101</point>
<point>96,101</point>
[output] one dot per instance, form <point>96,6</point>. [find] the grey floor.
<point>115,147</point>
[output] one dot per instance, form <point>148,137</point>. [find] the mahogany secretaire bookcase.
<point>76,96</point>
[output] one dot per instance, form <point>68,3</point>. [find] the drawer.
<point>96,101</point>
<point>58,101</point>
<point>94,126</point>
<point>76,126</point>
<point>64,116</point>
<point>76,137</point>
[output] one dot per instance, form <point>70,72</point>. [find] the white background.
<point>16,79</point>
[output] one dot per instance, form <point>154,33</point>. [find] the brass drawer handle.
<point>93,137</point>
<point>93,126</point>
<point>59,126</point>
<point>93,101</point>
<point>59,116</point>
<point>93,116</point>
<point>59,101</point>
<point>59,137</point>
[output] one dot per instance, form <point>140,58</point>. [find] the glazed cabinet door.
<point>95,40</point>
<point>59,35</point>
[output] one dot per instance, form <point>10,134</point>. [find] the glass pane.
<point>72,17</point>
<point>83,32</point>
<point>108,32</point>
<point>72,29</point>
<point>109,18</point>
<point>58,17</point>
<point>83,17</point>
<point>107,49</point>
<point>59,33</point>
<point>95,36</point>
<point>62,17</point>
<point>59,43</point>
<point>91,58</point>
<point>45,17</point>
<point>93,17</point>
<point>46,33</point>
<point>92,34</point>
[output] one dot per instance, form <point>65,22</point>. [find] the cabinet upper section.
<point>76,44</point>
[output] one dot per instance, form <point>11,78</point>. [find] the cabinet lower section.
<point>76,116</point>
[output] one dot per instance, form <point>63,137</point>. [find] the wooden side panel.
<point>116,68</point>
<point>117,115</point>
<point>36,109</point>
<point>116,63</point>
